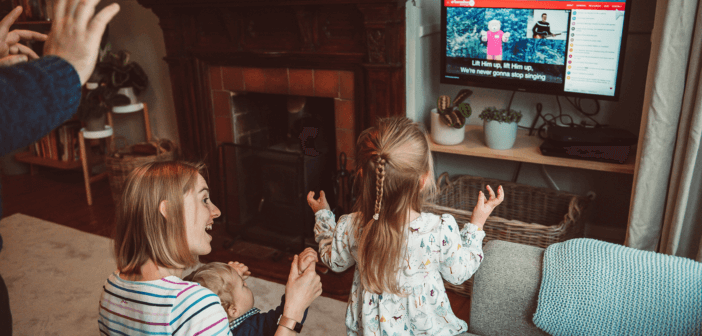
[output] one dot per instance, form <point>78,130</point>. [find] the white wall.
<point>136,30</point>
<point>609,213</point>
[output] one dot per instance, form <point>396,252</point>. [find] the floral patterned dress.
<point>436,248</point>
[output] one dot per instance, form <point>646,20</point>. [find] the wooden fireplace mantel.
<point>363,36</point>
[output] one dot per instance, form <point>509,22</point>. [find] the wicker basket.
<point>120,162</point>
<point>528,215</point>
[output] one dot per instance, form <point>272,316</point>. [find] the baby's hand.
<point>317,204</point>
<point>240,268</point>
<point>484,208</point>
<point>307,257</point>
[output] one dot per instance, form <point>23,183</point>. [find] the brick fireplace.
<point>351,51</point>
<point>335,84</point>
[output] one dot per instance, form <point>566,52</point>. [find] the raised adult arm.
<point>38,96</point>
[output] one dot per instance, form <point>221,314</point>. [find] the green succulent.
<point>455,114</point>
<point>500,115</point>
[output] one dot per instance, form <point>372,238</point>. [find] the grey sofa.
<point>505,290</point>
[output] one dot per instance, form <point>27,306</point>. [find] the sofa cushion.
<point>591,287</point>
<point>505,290</point>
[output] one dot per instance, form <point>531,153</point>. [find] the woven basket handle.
<point>575,208</point>
<point>443,178</point>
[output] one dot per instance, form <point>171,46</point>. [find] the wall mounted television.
<point>561,47</point>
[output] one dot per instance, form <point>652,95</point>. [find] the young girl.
<point>400,253</point>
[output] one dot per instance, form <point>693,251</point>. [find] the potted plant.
<point>116,81</point>
<point>449,119</point>
<point>500,127</point>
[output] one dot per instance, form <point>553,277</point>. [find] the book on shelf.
<point>60,144</point>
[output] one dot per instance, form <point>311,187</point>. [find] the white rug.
<point>54,276</point>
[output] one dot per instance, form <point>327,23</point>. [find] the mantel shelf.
<point>526,149</point>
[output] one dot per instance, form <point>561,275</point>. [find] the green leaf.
<point>465,110</point>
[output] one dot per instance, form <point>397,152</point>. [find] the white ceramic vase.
<point>443,134</point>
<point>129,92</point>
<point>500,135</point>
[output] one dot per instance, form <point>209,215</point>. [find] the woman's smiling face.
<point>199,217</point>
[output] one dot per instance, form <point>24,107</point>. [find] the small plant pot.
<point>443,134</point>
<point>500,135</point>
<point>129,92</point>
<point>95,124</point>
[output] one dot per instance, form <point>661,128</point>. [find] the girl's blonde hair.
<point>142,233</point>
<point>217,277</point>
<point>392,161</point>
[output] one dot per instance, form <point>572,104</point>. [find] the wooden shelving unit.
<point>526,149</point>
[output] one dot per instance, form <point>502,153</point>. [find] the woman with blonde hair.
<point>401,254</point>
<point>161,224</point>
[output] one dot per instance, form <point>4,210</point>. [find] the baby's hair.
<point>392,161</point>
<point>217,277</point>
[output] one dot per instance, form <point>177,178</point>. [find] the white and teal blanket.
<point>590,287</point>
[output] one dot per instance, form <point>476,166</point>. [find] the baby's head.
<point>223,280</point>
<point>494,25</point>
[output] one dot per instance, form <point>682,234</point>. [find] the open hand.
<point>307,257</point>
<point>11,51</point>
<point>76,33</point>
<point>240,268</point>
<point>317,204</point>
<point>484,208</point>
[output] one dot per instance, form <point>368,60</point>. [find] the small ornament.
<point>376,216</point>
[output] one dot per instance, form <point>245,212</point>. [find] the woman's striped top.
<point>168,306</point>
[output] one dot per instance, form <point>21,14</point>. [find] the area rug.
<point>54,275</point>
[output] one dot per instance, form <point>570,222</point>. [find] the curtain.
<point>665,213</point>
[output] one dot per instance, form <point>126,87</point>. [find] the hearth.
<point>284,149</point>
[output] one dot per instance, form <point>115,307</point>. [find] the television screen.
<point>563,47</point>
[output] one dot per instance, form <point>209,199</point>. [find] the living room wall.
<point>136,30</point>
<point>608,215</point>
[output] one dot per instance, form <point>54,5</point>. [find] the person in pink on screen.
<point>494,38</point>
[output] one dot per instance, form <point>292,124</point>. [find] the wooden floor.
<point>59,196</point>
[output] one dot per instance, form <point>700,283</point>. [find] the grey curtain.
<point>665,213</point>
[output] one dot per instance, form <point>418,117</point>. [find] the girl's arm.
<point>334,240</point>
<point>461,250</point>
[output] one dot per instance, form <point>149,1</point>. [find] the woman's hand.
<point>76,33</point>
<point>484,208</point>
<point>317,204</point>
<point>300,290</point>
<point>240,268</point>
<point>307,257</point>
<point>11,51</point>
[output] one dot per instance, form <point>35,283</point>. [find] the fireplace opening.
<point>284,146</point>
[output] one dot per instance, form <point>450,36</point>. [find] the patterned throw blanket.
<point>590,287</point>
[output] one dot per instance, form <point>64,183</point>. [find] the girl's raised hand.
<point>484,208</point>
<point>240,268</point>
<point>317,204</point>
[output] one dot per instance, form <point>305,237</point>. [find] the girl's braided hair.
<point>394,174</point>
